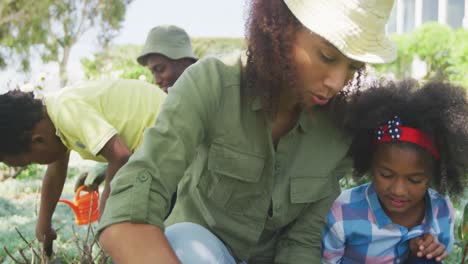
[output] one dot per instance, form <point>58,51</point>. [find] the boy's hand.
<point>427,246</point>
<point>46,235</point>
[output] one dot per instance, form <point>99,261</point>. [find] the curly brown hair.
<point>271,30</point>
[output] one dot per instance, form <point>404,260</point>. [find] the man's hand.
<point>92,178</point>
<point>427,246</point>
<point>81,181</point>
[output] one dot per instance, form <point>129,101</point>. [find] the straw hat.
<point>168,40</point>
<point>355,27</point>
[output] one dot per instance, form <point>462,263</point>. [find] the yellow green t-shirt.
<point>88,115</point>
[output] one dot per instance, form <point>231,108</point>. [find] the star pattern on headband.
<point>392,128</point>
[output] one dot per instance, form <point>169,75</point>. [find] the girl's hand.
<point>427,246</point>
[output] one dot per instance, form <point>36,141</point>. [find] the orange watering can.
<point>85,207</point>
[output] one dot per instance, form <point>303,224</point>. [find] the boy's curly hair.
<point>19,113</point>
<point>438,109</point>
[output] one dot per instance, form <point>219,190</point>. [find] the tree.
<point>20,28</point>
<point>433,43</point>
<point>58,25</point>
<point>460,62</point>
<point>443,50</point>
<point>116,62</point>
<point>70,19</point>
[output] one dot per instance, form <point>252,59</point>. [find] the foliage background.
<point>443,50</point>
<point>120,61</point>
<point>51,28</point>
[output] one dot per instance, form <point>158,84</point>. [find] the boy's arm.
<point>116,153</point>
<point>52,186</point>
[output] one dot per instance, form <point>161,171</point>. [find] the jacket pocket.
<point>238,165</point>
<point>233,180</point>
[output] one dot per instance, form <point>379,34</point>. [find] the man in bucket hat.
<point>167,53</point>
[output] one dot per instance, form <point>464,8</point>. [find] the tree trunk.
<point>63,66</point>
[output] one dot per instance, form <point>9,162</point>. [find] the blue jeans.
<point>195,244</point>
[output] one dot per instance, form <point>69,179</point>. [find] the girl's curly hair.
<point>19,113</point>
<point>438,109</point>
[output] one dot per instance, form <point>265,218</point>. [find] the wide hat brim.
<point>167,40</point>
<point>355,27</point>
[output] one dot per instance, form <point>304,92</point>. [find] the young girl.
<point>407,139</point>
<point>264,155</point>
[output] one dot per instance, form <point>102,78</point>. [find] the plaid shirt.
<point>359,231</point>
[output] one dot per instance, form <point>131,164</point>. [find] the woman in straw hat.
<point>266,154</point>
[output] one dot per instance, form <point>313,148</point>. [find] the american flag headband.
<point>394,131</point>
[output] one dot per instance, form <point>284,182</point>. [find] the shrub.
<point>444,51</point>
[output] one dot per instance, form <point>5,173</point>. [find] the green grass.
<point>18,213</point>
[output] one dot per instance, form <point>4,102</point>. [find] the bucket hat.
<point>168,40</point>
<point>354,27</point>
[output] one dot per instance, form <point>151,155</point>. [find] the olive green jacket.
<point>267,205</point>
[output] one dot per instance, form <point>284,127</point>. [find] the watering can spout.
<point>72,205</point>
<point>85,207</point>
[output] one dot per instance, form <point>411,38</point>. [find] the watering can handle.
<point>79,190</point>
